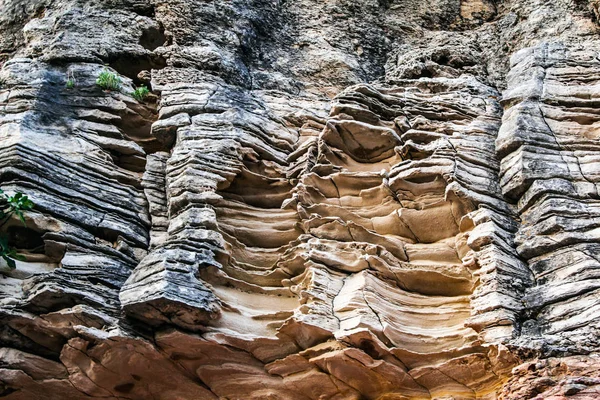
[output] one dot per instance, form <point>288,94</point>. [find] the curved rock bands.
<point>349,261</point>
<point>548,142</point>
<point>215,135</point>
<point>368,250</point>
<point>264,224</point>
<point>78,165</point>
<point>73,151</point>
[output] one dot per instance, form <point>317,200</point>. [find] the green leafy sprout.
<point>9,206</point>
<point>140,93</point>
<point>108,81</point>
<point>70,81</point>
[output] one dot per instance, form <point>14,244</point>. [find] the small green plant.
<point>70,81</point>
<point>140,93</point>
<point>9,254</point>
<point>9,206</point>
<point>108,81</point>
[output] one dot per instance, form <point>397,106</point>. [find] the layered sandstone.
<point>320,200</point>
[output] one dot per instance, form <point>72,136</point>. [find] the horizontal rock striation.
<point>548,144</point>
<point>318,200</point>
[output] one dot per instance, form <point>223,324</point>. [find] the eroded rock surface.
<point>319,200</point>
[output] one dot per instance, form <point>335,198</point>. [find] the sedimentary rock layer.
<point>318,200</point>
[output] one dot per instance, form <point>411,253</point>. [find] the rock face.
<point>346,199</point>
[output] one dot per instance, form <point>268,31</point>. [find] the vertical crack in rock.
<point>554,193</point>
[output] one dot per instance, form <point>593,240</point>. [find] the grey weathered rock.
<point>319,200</point>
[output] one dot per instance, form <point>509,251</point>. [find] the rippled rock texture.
<point>346,199</point>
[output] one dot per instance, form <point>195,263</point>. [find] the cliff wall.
<point>341,199</point>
